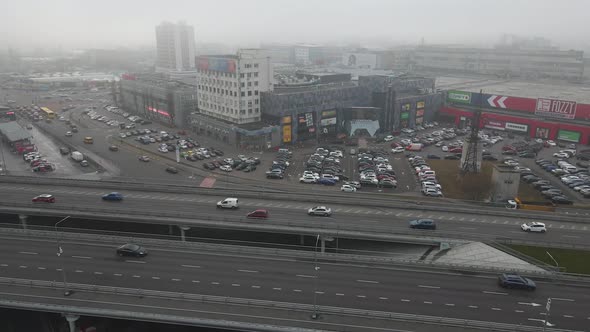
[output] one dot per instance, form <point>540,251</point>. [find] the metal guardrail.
<point>368,199</point>
<point>211,299</point>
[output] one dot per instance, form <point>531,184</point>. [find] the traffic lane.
<point>366,296</point>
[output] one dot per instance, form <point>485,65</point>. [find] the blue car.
<point>326,181</point>
<point>114,196</point>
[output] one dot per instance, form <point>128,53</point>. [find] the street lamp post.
<point>315,314</point>
<point>67,292</point>
<point>553,259</point>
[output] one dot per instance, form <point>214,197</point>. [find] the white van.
<point>228,203</point>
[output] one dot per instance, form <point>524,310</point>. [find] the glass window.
<point>249,93</point>
<point>255,83</point>
<point>243,94</point>
<point>256,92</point>
<point>256,74</point>
<point>255,65</point>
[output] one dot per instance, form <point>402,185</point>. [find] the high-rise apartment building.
<point>229,86</point>
<point>175,45</point>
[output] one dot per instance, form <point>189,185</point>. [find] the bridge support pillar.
<point>23,220</point>
<point>183,229</point>
<point>323,245</point>
<point>72,321</point>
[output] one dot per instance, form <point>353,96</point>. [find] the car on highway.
<point>88,140</point>
<point>69,134</point>
<point>228,203</point>
<point>319,211</point>
<point>114,148</point>
<point>46,198</point>
<point>348,188</point>
<point>144,158</point>
<point>132,250</point>
<point>534,226</point>
<point>114,196</point>
<point>258,214</point>
<point>423,224</point>
<point>171,170</point>
<point>510,280</point>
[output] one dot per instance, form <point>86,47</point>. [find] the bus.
<point>48,113</point>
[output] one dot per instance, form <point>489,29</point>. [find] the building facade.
<point>229,86</point>
<point>506,62</point>
<point>175,45</point>
<point>157,98</point>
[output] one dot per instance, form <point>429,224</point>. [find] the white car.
<point>561,155</point>
<point>347,188</point>
<point>68,134</point>
<point>534,226</point>
<point>431,192</point>
<point>163,149</point>
<point>310,173</point>
<point>406,141</point>
<point>226,168</point>
<point>354,184</point>
<point>445,148</point>
<point>308,179</point>
<point>122,135</point>
<point>551,143</point>
<point>320,211</point>
<point>399,149</point>
<point>389,138</point>
<point>511,162</point>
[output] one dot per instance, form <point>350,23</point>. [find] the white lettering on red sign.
<point>556,108</point>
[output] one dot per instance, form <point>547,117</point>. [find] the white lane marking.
<point>505,222</point>
<point>348,210</point>
<point>297,290</point>
<point>4,265</point>
<point>462,219</point>
<point>519,311</point>
<point>255,286</point>
<point>195,281</point>
<point>304,276</point>
<point>28,253</point>
<point>451,218</point>
<point>97,272</point>
<point>248,271</point>
<point>41,267</point>
<point>79,271</point>
<point>319,292</point>
<point>136,276</point>
<point>468,228</point>
<point>368,281</point>
<point>496,309</point>
<point>426,286</point>
<point>571,236</point>
<point>562,299</point>
<point>405,300</point>
<point>82,257</point>
<point>382,298</point>
<point>450,304</point>
<point>494,293</point>
<point>192,266</point>
<point>277,288</point>
<point>214,283</point>
<point>339,294</point>
<point>23,266</point>
<point>427,302</point>
<point>58,270</point>
<point>156,278</point>
<point>398,214</point>
<point>175,279</point>
<point>236,285</point>
<point>117,274</point>
<point>388,213</point>
<point>473,306</point>
<point>138,262</point>
<point>568,316</point>
<point>361,296</point>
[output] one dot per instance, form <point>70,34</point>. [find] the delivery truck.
<point>77,156</point>
<point>415,147</point>
<point>516,203</point>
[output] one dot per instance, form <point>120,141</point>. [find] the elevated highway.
<point>262,290</point>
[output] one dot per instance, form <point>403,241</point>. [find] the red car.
<point>456,150</point>
<point>261,214</point>
<point>47,198</point>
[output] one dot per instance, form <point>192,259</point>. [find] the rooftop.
<point>14,132</point>
<point>557,90</point>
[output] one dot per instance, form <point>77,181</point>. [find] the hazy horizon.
<point>69,24</point>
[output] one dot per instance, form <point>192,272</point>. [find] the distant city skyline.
<point>108,24</point>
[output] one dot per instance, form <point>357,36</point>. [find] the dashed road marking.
<point>255,286</point>
<point>23,266</point>
<point>78,271</point>
<point>568,316</point>
<point>156,278</point>
<point>28,253</point>
<point>368,281</point>
<point>277,288</point>
<point>473,306</point>
<point>117,274</point>
<point>427,302</point>
<point>361,296</point>
<point>339,294</point>
<point>494,293</point>
<point>214,283</point>
<point>450,304</point>
<point>248,271</point>
<point>426,286</point>
<point>319,292</point>
<point>82,257</point>
<point>382,298</point>
<point>136,276</point>
<point>519,311</point>
<point>191,266</point>
<point>405,300</point>
<point>297,290</point>
<point>562,299</point>
<point>304,276</point>
<point>41,268</point>
<point>496,309</point>
<point>97,272</point>
<point>138,262</point>
<point>175,279</point>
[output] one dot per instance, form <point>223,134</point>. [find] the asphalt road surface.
<point>289,280</point>
<point>452,225</point>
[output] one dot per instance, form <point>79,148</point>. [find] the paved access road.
<point>293,280</point>
<point>453,225</point>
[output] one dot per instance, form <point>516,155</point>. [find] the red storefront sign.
<point>556,108</point>
<point>494,124</point>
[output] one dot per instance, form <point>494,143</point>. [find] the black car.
<point>489,157</point>
<point>172,170</point>
<point>507,280</point>
<point>132,250</point>
<point>423,224</point>
<point>64,150</point>
<point>433,156</point>
<point>452,157</point>
<point>527,155</point>
<point>250,168</point>
<point>273,175</point>
<point>208,166</point>
<point>561,200</point>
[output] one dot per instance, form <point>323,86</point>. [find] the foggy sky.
<point>111,23</point>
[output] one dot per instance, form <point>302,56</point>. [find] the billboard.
<point>419,113</point>
<point>216,64</point>
<point>405,116</point>
<point>556,108</point>
<point>328,122</point>
<point>406,107</point>
<point>286,119</point>
<point>155,110</point>
<point>494,124</point>
<point>462,97</point>
<point>568,135</point>
<point>420,104</point>
<point>287,134</point>
<point>516,127</point>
